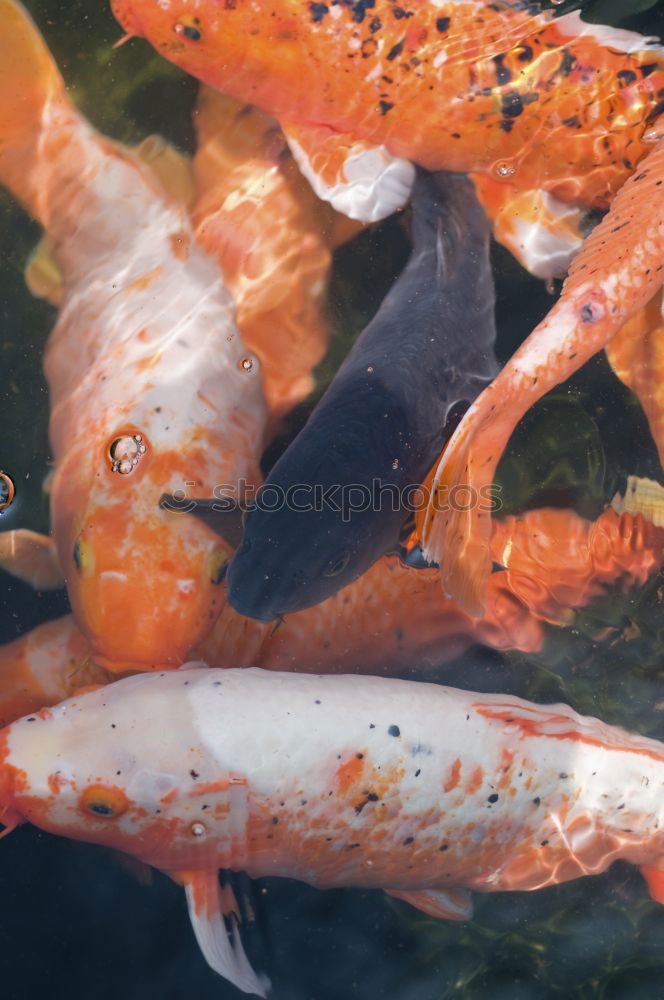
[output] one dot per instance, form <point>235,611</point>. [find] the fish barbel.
<point>145,370</point>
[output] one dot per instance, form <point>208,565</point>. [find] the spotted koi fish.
<point>394,617</point>
<point>426,792</point>
<point>361,89</point>
<point>146,371</point>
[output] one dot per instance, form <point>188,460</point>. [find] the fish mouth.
<point>258,614</point>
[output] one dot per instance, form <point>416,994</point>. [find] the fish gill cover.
<point>76,924</point>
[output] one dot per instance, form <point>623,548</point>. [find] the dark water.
<point>75,923</point>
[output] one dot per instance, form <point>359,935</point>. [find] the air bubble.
<point>246,364</point>
<point>7,491</point>
<point>125,452</point>
<point>504,169</point>
<point>197,829</point>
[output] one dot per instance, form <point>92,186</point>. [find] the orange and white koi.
<point>426,792</point>
<point>394,617</point>
<point>361,89</point>
<point>272,238</point>
<point>147,372</point>
<point>43,667</point>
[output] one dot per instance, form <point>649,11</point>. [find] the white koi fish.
<point>340,781</point>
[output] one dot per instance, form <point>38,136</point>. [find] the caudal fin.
<point>31,92</point>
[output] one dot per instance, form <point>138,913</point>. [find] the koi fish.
<point>394,617</point>
<point>146,370</point>
<point>381,421</point>
<point>617,273</point>
<point>361,90</point>
<point>426,792</point>
<point>272,238</point>
<point>44,667</point>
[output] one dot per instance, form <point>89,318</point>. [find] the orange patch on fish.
<point>453,778</point>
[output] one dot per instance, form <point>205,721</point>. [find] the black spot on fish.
<point>318,11</point>
<point>503,73</point>
<point>536,801</point>
<point>375,24</point>
<point>563,775</point>
<point>493,797</point>
<point>648,68</point>
<point>525,54</point>
<point>511,104</point>
<point>394,731</point>
<point>507,125</point>
<point>567,63</point>
<point>400,13</point>
<point>192,33</point>
<point>275,820</point>
<point>385,106</point>
<point>626,76</point>
<point>194,774</point>
<point>407,841</point>
<point>572,122</point>
<point>442,23</point>
<point>395,51</point>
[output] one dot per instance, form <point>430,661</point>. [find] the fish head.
<point>293,559</point>
<point>114,766</point>
<point>145,583</point>
<point>187,32</point>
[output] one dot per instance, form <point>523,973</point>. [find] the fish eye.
<point>105,801</point>
<point>218,566</point>
<point>83,555</point>
<point>337,564</point>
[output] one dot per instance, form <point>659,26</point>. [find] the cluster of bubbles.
<point>125,453</point>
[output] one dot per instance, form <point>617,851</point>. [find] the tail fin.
<point>30,88</point>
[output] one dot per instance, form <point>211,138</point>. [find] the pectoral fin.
<point>360,180</point>
<point>445,904</point>
<point>32,558</point>
<point>224,517</point>
<point>654,876</point>
<point>543,233</point>
<point>218,940</point>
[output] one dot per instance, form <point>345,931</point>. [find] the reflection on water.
<point>77,922</point>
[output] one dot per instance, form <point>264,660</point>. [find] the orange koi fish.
<point>426,792</point>
<point>393,617</point>
<point>147,372</point>
<point>272,237</point>
<point>363,88</point>
<point>617,272</point>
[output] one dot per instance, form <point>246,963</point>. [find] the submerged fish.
<point>463,85</point>
<point>272,237</point>
<point>617,272</point>
<point>145,371</point>
<point>345,484</point>
<point>426,792</point>
<point>394,618</point>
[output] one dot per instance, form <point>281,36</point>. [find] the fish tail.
<point>31,95</point>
